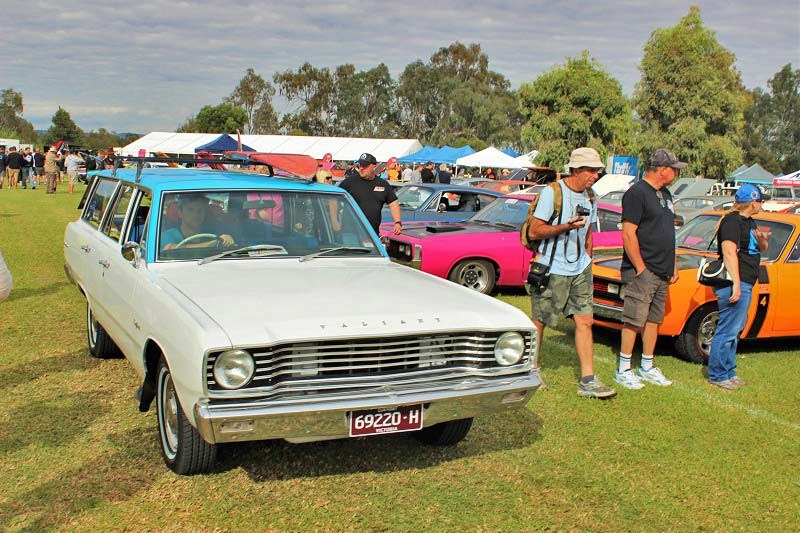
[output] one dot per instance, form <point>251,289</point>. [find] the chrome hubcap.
<point>475,277</point>
<point>91,326</point>
<point>169,414</point>
<point>706,332</point>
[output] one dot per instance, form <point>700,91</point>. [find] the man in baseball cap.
<point>371,193</point>
<point>648,266</point>
<point>664,158</point>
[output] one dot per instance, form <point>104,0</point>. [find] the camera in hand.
<point>581,211</point>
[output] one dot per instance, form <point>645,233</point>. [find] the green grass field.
<point>77,454</point>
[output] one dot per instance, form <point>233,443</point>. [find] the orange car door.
<point>787,283</point>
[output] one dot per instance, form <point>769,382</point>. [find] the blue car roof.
<point>183,179</point>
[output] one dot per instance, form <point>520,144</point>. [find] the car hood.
<point>260,302</point>
<point>435,229</point>
<point>609,268</point>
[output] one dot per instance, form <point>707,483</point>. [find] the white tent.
<point>342,148</point>
<point>490,157</point>
<point>526,160</point>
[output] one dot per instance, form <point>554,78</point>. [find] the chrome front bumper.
<point>610,312</point>
<point>329,418</point>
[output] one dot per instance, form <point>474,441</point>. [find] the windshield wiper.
<point>257,247</point>
<point>504,224</point>
<point>353,249</point>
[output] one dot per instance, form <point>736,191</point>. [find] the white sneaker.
<point>628,379</point>
<point>654,376</point>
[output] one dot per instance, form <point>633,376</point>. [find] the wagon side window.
<point>97,204</point>
<point>116,218</point>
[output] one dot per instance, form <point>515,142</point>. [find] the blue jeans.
<point>732,319</point>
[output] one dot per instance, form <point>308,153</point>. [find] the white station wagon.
<point>248,316</point>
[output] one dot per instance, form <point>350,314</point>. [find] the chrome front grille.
<point>333,366</point>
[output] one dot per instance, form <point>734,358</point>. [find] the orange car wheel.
<point>694,342</point>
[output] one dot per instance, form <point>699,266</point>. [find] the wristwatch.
<point>398,222</point>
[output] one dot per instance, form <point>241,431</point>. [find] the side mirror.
<point>679,221</point>
<point>442,208</point>
<point>130,251</point>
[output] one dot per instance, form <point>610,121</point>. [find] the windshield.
<point>699,233</point>
<point>197,225</point>
<point>508,212</point>
<point>413,196</point>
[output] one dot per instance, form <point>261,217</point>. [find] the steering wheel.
<point>197,237</point>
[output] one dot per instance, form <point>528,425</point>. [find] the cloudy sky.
<point>146,65</point>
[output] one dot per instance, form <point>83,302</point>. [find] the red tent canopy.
<point>299,165</point>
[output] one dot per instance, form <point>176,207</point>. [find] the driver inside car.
<point>194,229</point>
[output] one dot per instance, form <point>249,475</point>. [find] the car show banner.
<point>624,164</point>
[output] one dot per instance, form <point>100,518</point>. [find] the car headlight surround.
<point>509,348</point>
<point>234,369</point>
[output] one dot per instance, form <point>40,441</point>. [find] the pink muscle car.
<point>485,250</point>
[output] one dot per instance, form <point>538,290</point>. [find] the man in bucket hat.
<point>648,266</point>
<point>566,246</point>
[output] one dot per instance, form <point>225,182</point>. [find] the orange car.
<point>506,186</point>
<point>691,312</point>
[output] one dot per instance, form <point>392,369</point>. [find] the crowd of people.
<point>561,223</point>
<point>48,166</point>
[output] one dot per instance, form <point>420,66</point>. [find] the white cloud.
<point>148,65</point>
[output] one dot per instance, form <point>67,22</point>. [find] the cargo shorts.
<point>564,296</point>
<point>645,298</point>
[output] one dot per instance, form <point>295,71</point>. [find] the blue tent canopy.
<point>223,143</point>
<point>445,154</point>
<point>754,174</point>
<point>420,156</point>
<point>510,151</point>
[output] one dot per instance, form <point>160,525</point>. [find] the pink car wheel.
<point>476,274</point>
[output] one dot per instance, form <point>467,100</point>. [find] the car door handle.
<point>86,248</point>
<point>103,263</point>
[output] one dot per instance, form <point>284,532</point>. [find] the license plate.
<point>382,421</point>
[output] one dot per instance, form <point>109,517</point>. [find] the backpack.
<point>558,200</point>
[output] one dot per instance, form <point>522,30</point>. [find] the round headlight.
<point>234,369</point>
<point>509,348</point>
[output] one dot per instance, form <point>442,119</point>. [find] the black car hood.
<point>432,229</point>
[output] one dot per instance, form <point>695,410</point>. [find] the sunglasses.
<point>661,199</point>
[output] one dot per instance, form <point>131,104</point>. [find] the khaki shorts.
<point>645,298</point>
<point>564,296</point>
<point>73,176</point>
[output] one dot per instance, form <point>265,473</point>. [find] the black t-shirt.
<point>738,229</point>
<point>14,160</point>
<point>652,212</point>
<point>38,159</point>
<point>2,162</point>
<point>444,176</point>
<point>370,195</point>
<point>427,176</point>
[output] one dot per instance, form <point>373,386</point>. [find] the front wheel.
<point>183,449</point>
<point>100,344</point>
<point>445,433</point>
<point>694,342</point>
<point>476,274</point>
